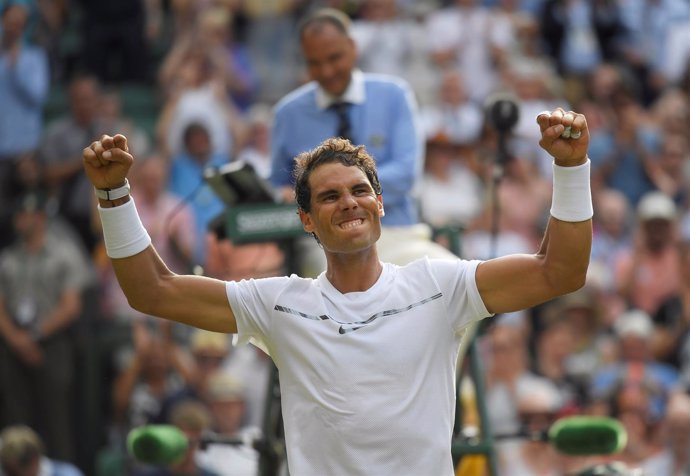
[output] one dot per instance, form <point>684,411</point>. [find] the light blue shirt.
<point>186,181</point>
<point>23,91</point>
<point>383,117</point>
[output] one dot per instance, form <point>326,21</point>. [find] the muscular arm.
<point>560,266</point>
<point>521,281</point>
<point>148,284</point>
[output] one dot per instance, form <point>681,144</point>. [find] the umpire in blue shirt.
<point>377,111</point>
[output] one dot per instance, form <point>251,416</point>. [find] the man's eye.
<point>329,198</point>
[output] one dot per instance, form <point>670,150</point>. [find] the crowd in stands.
<point>192,85</point>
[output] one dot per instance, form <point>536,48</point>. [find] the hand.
<point>107,161</point>
<point>28,351</point>
<point>566,152</point>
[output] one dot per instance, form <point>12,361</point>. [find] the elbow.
<point>571,280</point>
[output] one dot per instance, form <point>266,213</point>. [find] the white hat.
<point>656,205</point>
<point>634,322</point>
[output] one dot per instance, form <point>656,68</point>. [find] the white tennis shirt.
<point>367,378</point>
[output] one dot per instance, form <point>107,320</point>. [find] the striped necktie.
<point>344,127</point>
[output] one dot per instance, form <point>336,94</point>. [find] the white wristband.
<point>572,194</point>
<point>123,233</point>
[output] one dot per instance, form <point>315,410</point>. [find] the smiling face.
<point>345,211</point>
<point>330,55</point>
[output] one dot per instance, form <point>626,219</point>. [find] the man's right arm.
<point>148,284</point>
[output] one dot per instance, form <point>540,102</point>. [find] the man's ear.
<point>382,212</point>
<point>305,218</point>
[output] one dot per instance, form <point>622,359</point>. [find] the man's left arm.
<point>517,282</point>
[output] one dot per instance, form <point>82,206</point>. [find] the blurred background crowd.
<point>192,83</point>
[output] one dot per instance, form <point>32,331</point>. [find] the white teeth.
<point>351,224</point>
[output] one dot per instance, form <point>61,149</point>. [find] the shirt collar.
<point>354,94</point>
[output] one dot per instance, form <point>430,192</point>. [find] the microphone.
<point>579,435</point>
<point>159,445</point>
<point>588,435</point>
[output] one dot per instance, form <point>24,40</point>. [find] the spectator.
<point>157,369</point>
<point>257,150</point>
<point>538,406</point>
<point>193,79</point>
<point>216,25</point>
<point>193,418</point>
<point>667,170</point>
<point>186,181</point>
<point>676,436</point>
<point>226,401</point>
<point>631,403</point>
<point>22,454</point>
<point>508,376</point>
<point>41,283</point>
<point>376,111</point>
<point>383,38</point>
<point>114,121</point>
<point>613,228</point>
<point>24,82</point>
<point>451,191</point>
<point>650,272</point>
<point>453,117</point>
<point>61,150</point>
<point>672,321</point>
<point>621,149</point>
<point>209,351</point>
<point>473,39</point>
<point>635,367</point>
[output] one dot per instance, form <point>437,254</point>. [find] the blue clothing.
<point>627,173</point>
<point>186,181</point>
<point>659,379</point>
<point>23,91</point>
<point>385,121</point>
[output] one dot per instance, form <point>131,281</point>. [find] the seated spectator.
<point>452,117</point>
<point>451,191</point>
<point>226,401</point>
<point>22,454</point>
<point>158,368</point>
<point>580,313</point>
<point>631,403</point>
<point>635,366</point>
<point>193,418</point>
<point>209,351</point>
<point>508,377</point>
<point>187,182</point>
<point>538,406</point>
<point>649,274</point>
<point>676,436</point>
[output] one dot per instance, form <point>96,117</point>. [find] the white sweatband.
<point>123,233</point>
<point>572,194</point>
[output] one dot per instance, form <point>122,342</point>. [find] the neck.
<point>353,273</point>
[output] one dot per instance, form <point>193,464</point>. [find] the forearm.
<point>7,327</point>
<point>122,388</point>
<point>66,312</point>
<point>566,250</point>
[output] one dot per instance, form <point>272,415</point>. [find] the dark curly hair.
<point>329,151</point>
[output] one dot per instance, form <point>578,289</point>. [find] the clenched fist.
<point>107,161</point>
<point>564,135</point>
